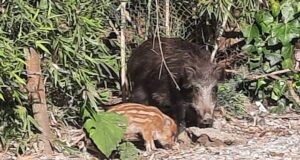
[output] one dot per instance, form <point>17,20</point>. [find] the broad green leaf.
<point>273,58</point>
<point>286,32</point>
<point>249,48</point>
<point>266,67</point>
<point>264,17</point>
<point>250,32</point>
<point>272,41</point>
<point>260,83</point>
<point>275,7</point>
<point>287,11</point>
<point>287,63</point>
<point>287,51</point>
<point>296,7</point>
<point>259,42</point>
<point>128,151</point>
<point>106,131</point>
<point>278,90</point>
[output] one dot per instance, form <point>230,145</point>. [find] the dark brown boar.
<point>192,70</point>
<point>149,122</point>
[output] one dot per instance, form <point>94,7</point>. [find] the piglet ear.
<point>168,122</point>
<point>219,73</point>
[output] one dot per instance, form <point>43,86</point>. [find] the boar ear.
<point>189,74</point>
<point>219,73</point>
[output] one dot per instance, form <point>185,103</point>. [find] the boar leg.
<point>180,113</point>
<point>139,95</point>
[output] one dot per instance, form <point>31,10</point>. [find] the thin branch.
<point>292,92</point>
<point>216,47</point>
<point>254,77</point>
<point>163,61</point>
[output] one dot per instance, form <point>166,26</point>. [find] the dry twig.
<point>163,60</point>
<point>254,77</point>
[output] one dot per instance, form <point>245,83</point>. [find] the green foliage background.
<point>270,44</point>
<point>76,64</point>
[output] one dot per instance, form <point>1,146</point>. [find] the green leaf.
<point>34,123</point>
<point>287,51</point>
<point>89,21</point>
<point>18,78</point>
<point>287,11</point>
<point>264,17</point>
<point>249,48</point>
<point>287,63</point>
<point>250,32</point>
<point>1,96</point>
<point>286,32</point>
<point>40,45</point>
<point>43,4</point>
<point>278,90</point>
<point>275,7</point>
<point>260,83</point>
<point>273,58</point>
<point>106,131</point>
<point>128,151</point>
<point>272,41</point>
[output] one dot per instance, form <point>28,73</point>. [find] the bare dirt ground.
<point>270,137</point>
<point>256,136</point>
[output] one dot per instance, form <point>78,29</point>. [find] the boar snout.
<point>207,119</point>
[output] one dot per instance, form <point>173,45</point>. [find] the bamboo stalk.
<point>167,20</point>
<point>123,51</point>
<point>216,47</point>
<point>148,19</point>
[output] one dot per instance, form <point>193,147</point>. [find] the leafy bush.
<point>76,63</point>
<point>231,99</point>
<point>128,151</point>
<point>271,47</point>
<point>106,129</point>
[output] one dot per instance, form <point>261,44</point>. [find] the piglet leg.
<point>149,142</point>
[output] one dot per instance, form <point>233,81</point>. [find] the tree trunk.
<point>37,97</point>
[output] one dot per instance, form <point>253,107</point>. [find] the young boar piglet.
<point>149,122</point>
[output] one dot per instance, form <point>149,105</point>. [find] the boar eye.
<point>215,89</point>
<point>197,88</point>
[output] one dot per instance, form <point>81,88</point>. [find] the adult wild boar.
<point>189,64</point>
